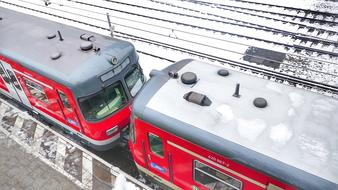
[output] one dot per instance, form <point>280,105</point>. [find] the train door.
<point>69,111</point>
<point>12,83</point>
<point>158,162</point>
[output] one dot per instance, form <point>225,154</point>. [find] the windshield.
<point>103,103</point>
<point>134,81</point>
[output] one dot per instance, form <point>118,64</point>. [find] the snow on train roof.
<point>298,127</point>
<point>24,38</point>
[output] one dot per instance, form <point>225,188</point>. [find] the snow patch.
<point>121,183</point>
<point>226,112</point>
<point>250,129</point>
<point>291,112</point>
<point>280,133</point>
<point>296,99</point>
<point>315,149</point>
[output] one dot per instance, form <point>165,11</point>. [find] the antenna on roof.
<point>236,94</point>
<point>111,28</point>
<point>60,36</point>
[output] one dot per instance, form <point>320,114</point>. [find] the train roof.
<point>24,39</point>
<point>293,139</point>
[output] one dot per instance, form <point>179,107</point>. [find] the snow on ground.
<point>317,5</point>
<point>121,183</point>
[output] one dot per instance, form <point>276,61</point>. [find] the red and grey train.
<point>199,126</point>
<point>79,80</point>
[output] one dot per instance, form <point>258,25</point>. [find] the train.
<point>83,82</point>
<point>200,126</point>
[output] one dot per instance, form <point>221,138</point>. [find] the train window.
<point>134,80</point>
<point>214,179</point>
<point>36,91</point>
<point>156,144</point>
<point>64,99</point>
<point>3,75</point>
<point>103,103</point>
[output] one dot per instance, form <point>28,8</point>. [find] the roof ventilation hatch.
<point>86,46</point>
<point>51,36</point>
<point>260,102</point>
<point>197,98</point>
<point>223,72</point>
<point>55,55</point>
<point>87,37</point>
<point>189,78</point>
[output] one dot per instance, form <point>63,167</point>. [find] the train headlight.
<point>112,130</point>
<point>114,60</point>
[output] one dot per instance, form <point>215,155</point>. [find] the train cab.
<point>79,80</point>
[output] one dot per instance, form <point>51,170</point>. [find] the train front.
<point>104,92</point>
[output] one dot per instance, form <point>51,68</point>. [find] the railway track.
<point>296,12</point>
<point>231,20</point>
<point>254,69</point>
<point>254,31</point>
<point>264,15</point>
<point>287,66</point>
<point>289,46</point>
<point>305,36</point>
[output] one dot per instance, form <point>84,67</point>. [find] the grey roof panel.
<point>24,39</point>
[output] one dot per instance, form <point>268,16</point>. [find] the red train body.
<point>191,130</point>
<point>81,81</point>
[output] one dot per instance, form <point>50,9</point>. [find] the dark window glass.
<point>64,100</point>
<point>36,91</point>
<point>13,79</point>
<point>156,144</point>
<point>3,75</point>
<point>103,103</point>
<point>213,179</point>
<point>134,80</point>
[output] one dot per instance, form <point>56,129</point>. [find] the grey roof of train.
<point>293,139</point>
<point>23,38</point>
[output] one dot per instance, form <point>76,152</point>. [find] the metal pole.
<point>111,28</point>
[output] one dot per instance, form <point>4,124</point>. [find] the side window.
<point>214,179</point>
<point>36,91</point>
<point>64,99</point>
<point>156,144</point>
<point>3,75</point>
<point>134,80</point>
